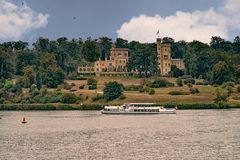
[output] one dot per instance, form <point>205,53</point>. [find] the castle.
<point>117,62</point>
<point>164,58</point>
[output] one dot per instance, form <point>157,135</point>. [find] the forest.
<point>47,63</point>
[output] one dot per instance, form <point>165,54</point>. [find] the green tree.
<point>112,90</point>
<point>6,64</point>
<point>25,58</point>
<point>121,43</point>
<point>105,46</point>
<point>38,80</point>
<point>179,82</point>
<point>143,58</point>
<point>176,72</point>
<point>51,75</point>
<point>221,97</point>
<point>29,76</point>
<point>90,50</point>
<point>220,73</point>
<point>69,98</point>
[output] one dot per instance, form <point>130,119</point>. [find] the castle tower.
<point>164,57</point>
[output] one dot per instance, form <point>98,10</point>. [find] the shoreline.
<point>85,107</point>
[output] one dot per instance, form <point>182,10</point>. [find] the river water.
<point>190,134</point>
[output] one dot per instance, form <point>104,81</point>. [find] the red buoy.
<point>24,120</point>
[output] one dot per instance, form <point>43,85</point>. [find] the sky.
<point>140,20</point>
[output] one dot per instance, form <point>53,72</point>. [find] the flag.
<point>158,32</point>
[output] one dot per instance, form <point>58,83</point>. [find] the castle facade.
<point>118,59</point>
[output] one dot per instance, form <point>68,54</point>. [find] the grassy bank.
<point>52,107</point>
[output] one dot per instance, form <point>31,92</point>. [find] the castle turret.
<point>164,57</point>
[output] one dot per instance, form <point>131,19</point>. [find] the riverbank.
<point>180,106</point>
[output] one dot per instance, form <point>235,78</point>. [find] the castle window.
<point>120,61</point>
<point>125,54</point>
<point>123,61</point>
<point>119,54</point>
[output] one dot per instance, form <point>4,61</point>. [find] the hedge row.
<point>49,107</point>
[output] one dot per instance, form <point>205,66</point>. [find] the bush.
<point>81,87</point>
<point>69,98</point>
<point>97,97</point>
<point>177,93</point>
<point>67,86</point>
<point>238,89</point>
<point>133,87</point>
<point>151,92</point>
<point>54,100</point>
<point>179,82</point>
<point>229,90</point>
<point>147,89</point>
<point>90,107</point>
<point>199,83</point>
<point>160,83</point>
<point>122,96</point>
<point>92,87</point>
<point>189,81</point>
<point>91,81</point>
<point>231,84</point>
<point>194,90</point>
<point>112,90</point>
<point>141,90</point>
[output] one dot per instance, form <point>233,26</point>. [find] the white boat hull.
<point>123,112</point>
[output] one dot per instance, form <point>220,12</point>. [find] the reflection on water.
<point>203,134</point>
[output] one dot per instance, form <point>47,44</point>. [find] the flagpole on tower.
<point>158,35</point>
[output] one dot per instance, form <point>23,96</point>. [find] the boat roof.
<point>140,103</point>
<point>111,107</point>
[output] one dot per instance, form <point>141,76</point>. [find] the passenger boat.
<point>137,108</point>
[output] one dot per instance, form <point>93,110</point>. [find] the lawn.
<point>207,92</point>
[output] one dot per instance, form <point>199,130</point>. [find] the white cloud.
<point>197,25</point>
<point>15,21</point>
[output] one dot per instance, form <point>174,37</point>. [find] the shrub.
<point>92,87</point>
<point>159,83</point>
<point>141,90</point>
<point>122,96</point>
<point>186,77</point>
<point>151,92</point>
<point>67,86</point>
<point>91,81</point>
<point>229,91</point>
<point>81,87</point>
<point>238,89</point>
<point>177,93</point>
<point>199,83</point>
<point>97,97</point>
<point>54,100</point>
<point>132,87</point>
<point>69,98</point>
<point>112,90</point>
<point>189,85</point>
<point>179,82</point>
<point>231,84</point>
<point>189,80</point>
<point>147,89</point>
<point>194,90</point>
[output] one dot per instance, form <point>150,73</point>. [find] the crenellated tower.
<point>164,57</point>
